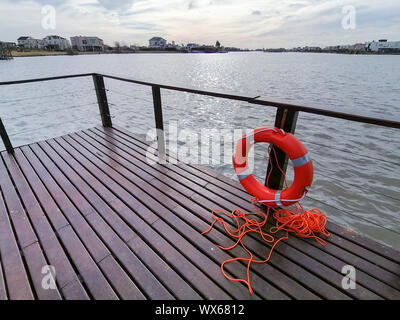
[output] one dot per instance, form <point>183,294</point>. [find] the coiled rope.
<point>305,224</point>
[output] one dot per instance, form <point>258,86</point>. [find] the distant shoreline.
<point>37,53</point>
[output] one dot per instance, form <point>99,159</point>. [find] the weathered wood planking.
<point>116,227</point>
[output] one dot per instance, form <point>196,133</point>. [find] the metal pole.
<point>285,119</point>
<point>159,122</point>
<point>102,100</point>
<point>5,138</point>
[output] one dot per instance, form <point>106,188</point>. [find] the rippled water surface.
<point>357,166</point>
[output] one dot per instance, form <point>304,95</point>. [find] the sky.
<point>245,24</point>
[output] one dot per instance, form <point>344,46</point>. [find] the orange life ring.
<point>294,149</point>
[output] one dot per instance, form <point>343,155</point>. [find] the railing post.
<point>159,122</point>
<point>102,100</point>
<point>5,138</point>
<point>285,119</point>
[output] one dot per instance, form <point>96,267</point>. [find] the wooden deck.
<point>115,227</point>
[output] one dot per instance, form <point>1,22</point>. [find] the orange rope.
<point>302,223</point>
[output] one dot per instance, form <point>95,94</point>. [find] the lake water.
<point>357,166</point>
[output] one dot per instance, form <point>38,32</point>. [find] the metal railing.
<point>286,114</point>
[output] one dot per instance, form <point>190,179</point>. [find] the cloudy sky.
<point>246,24</point>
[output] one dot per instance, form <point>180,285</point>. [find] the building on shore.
<point>311,49</point>
<point>157,43</point>
<point>5,50</point>
<point>190,46</point>
<point>8,45</point>
<point>347,48</point>
<point>85,44</point>
<point>27,42</point>
<point>383,46</point>
<point>54,42</point>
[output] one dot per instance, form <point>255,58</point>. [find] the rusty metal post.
<point>285,119</point>
<point>102,100</point>
<point>5,138</point>
<point>158,115</point>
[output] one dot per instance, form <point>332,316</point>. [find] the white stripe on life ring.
<point>278,198</point>
<point>301,161</point>
<point>244,174</point>
<point>250,139</point>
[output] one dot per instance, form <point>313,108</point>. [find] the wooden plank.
<point>391,279</point>
<point>97,249</point>
<point>73,291</point>
<point>381,261</point>
<point>126,288</point>
<point>53,249</point>
<point>365,242</point>
<point>382,256</point>
<point>364,279</point>
<point>91,275</point>
<point>167,274</point>
<point>3,293</point>
<point>117,246</point>
<point>137,270</point>
<point>23,229</point>
<point>378,272</point>
<point>88,270</point>
<point>234,186</point>
<point>142,194</point>
<point>34,256</point>
<point>316,264</point>
<point>366,254</point>
<point>150,181</point>
<point>196,276</point>
<point>371,295</point>
<point>346,250</point>
<point>348,258</point>
<point>102,174</point>
<point>193,236</point>
<point>15,275</point>
<point>32,253</point>
<point>208,216</point>
<point>113,160</point>
<point>119,206</point>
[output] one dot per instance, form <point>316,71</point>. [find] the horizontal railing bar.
<point>189,90</point>
<point>254,100</point>
<point>251,100</point>
<point>4,83</point>
<point>332,114</point>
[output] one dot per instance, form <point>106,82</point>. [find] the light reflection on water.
<point>352,185</point>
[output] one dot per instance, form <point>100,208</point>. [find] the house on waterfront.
<point>311,49</point>
<point>83,43</point>
<point>56,43</point>
<point>5,50</point>
<point>190,46</point>
<point>383,46</point>
<point>157,43</point>
<point>8,45</point>
<point>27,42</point>
<point>359,47</point>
